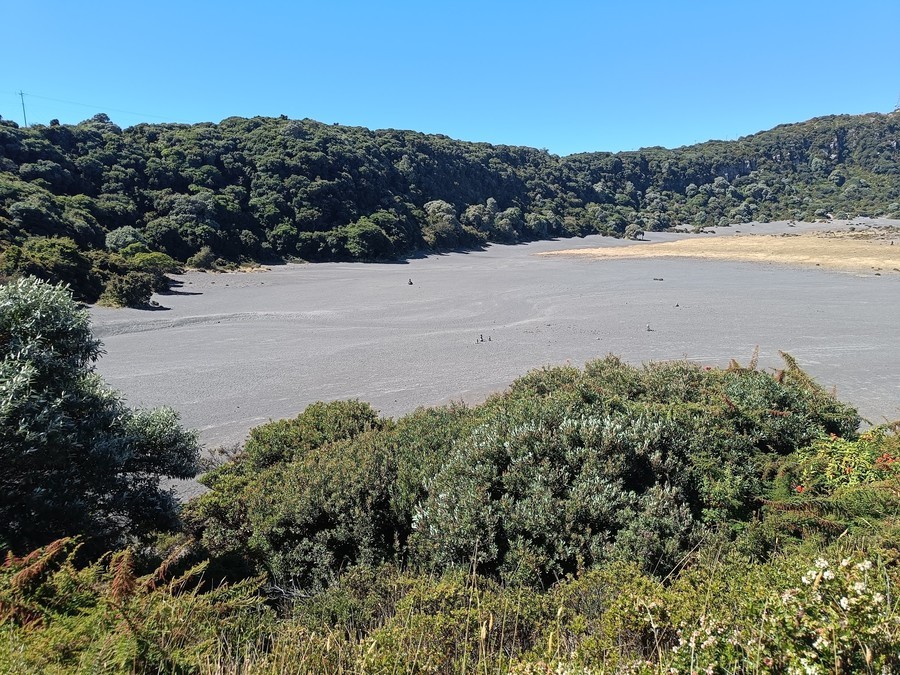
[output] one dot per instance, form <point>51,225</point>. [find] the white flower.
<point>878,598</point>
<point>845,562</point>
<point>864,565</point>
<point>808,577</point>
<point>845,603</point>
<point>859,586</point>
<point>828,575</point>
<point>821,563</point>
<point>820,643</point>
<point>808,668</point>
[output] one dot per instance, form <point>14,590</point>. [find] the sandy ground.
<point>230,351</point>
<point>863,250</point>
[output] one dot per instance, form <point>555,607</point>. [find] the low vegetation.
<point>659,519</point>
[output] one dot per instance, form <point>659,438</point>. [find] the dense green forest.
<point>113,210</point>
<point>669,518</point>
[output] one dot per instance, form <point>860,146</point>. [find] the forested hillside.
<point>274,188</point>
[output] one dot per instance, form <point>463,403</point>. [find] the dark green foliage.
<point>308,497</point>
<point>157,265</point>
<point>573,468</point>
<point>333,487</point>
<point>265,188</point>
<point>76,459</point>
<point>567,470</point>
<point>134,289</point>
<point>331,508</point>
<point>321,423</point>
<point>54,259</point>
<point>59,260</point>
<point>123,237</point>
<point>204,259</point>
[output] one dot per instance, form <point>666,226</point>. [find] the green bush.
<point>320,423</point>
<point>566,471</point>
<point>134,289</point>
<point>53,259</point>
<point>76,459</point>
<point>307,498</point>
<point>204,259</point>
<point>573,468</point>
<point>123,237</point>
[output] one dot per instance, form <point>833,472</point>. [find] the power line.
<point>93,107</point>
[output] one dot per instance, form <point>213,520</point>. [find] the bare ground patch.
<point>868,251</point>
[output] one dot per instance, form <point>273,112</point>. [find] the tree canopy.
<point>267,188</point>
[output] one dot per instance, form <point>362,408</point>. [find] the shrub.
<point>134,289</point>
<point>121,238</point>
<point>53,259</point>
<point>320,423</point>
<point>571,469</point>
<point>307,498</point>
<point>204,259</point>
<point>566,471</point>
<point>76,459</point>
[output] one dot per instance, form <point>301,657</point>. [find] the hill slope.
<point>273,187</point>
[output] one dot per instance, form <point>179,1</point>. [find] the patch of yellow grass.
<point>830,250</point>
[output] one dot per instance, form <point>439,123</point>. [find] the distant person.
<point>410,282</point>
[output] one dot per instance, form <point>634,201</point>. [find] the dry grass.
<point>869,251</point>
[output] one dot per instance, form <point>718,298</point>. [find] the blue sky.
<point>566,76</point>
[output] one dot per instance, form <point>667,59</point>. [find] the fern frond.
<point>124,581</point>
<point>179,583</point>
<point>153,580</point>
<point>754,359</point>
<point>37,563</point>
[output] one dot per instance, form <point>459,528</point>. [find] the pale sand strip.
<point>827,250</point>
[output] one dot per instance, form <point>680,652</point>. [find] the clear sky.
<point>563,75</point>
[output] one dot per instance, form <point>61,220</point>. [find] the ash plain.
<point>231,351</point>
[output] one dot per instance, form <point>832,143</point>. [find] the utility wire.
<point>99,107</point>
